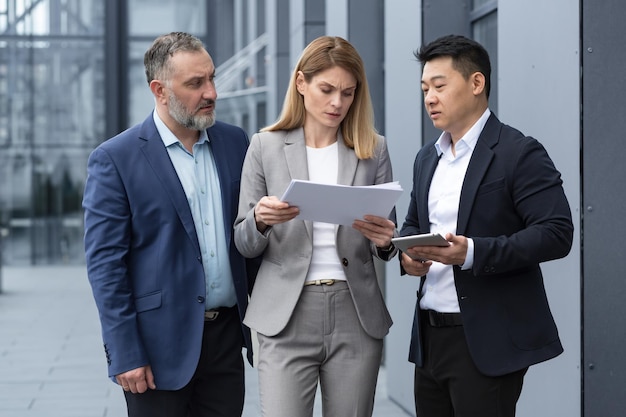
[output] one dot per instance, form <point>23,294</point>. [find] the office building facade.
<point>71,75</point>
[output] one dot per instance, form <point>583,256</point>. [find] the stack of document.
<point>341,204</point>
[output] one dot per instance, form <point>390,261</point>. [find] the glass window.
<point>55,100</point>
<point>140,98</point>
<point>148,19</point>
<point>154,17</point>
<point>233,36</point>
<point>52,115</point>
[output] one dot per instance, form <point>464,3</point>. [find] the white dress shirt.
<point>439,291</point>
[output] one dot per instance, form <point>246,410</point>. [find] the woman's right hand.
<point>270,211</point>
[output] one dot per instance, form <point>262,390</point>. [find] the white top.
<point>323,164</point>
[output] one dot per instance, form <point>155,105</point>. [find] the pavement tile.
<point>51,358</point>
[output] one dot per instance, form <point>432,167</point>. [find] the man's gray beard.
<point>183,117</point>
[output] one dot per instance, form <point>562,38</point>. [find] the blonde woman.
<point>316,304</point>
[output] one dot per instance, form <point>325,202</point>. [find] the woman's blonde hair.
<point>321,54</point>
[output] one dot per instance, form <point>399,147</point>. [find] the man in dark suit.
<point>482,315</point>
<point>171,289</point>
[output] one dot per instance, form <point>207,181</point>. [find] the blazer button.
<point>200,299</point>
<point>344,262</point>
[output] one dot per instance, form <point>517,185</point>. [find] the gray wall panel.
<point>314,20</point>
<point>116,52</point>
<point>403,108</point>
<point>439,18</point>
<point>278,62</point>
<point>220,41</point>
<point>604,170</point>
<point>539,93</point>
<point>337,18</point>
<point>366,33</point>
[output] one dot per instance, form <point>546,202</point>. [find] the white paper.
<point>341,204</point>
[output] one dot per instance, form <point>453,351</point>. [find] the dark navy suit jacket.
<point>142,251</point>
<point>514,208</point>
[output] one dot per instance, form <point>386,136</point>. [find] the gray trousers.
<point>324,342</point>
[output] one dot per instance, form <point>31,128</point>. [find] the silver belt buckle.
<point>320,282</point>
<point>211,315</point>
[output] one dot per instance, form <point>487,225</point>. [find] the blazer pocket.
<point>148,302</point>
<point>491,186</point>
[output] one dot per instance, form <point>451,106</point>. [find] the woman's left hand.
<point>379,230</point>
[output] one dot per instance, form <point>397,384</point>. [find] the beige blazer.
<point>272,161</point>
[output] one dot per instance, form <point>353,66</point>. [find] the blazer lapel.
<point>162,166</point>
<point>478,165</point>
<point>424,176</point>
<point>347,162</point>
<point>295,155</point>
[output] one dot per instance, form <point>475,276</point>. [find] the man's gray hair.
<point>156,59</point>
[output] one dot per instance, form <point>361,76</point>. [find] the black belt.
<point>211,315</point>
<point>437,319</point>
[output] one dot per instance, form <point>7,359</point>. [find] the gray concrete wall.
<point>539,67</point>
<point>403,127</point>
<point>540,95</point>
<point>604,101</point>
<point>366,32</point>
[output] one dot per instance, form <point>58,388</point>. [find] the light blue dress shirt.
<point>198,175</point>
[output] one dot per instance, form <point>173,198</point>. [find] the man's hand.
<point>415,267</point>
<point>137,380</point>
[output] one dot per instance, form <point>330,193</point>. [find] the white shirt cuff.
<point>469,257</point>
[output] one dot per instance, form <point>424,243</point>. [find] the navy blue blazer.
<point>514,208</point>
<point>142,251</point>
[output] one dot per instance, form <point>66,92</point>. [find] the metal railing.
<point>229,82</point>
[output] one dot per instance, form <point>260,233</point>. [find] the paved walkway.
<point>51,358</point>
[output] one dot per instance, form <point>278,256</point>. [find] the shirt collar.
<point>469,139</point>
<point>168,137</point>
